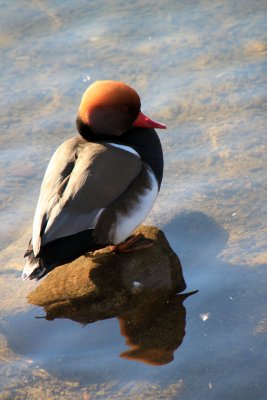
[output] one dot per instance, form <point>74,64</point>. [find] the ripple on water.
<point>200,68</point>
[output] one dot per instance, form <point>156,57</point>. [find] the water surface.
<point>200,67</point>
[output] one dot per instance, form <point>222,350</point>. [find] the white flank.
<point>126,224</point>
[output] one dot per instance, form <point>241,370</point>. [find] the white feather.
<point>125,148</point>
<point>126,224</point>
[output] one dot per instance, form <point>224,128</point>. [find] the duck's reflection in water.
<point>140,289</point>
<point>153,330</point>
<point>156,331</point>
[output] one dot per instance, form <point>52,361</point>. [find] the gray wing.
<point>82,178</point>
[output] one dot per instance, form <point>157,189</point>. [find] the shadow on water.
<point>196,237</point>
<point>226,335</point>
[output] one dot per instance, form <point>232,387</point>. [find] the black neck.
<point>86,132</point>
<point>146,142</point>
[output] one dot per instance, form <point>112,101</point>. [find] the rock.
<point>106,284</point>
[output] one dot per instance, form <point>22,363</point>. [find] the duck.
<point>100,185</point>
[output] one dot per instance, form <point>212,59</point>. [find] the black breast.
<point>146,142</point>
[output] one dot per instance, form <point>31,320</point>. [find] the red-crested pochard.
<point>98,186</point>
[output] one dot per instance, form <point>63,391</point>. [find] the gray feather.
<point>81,180</point>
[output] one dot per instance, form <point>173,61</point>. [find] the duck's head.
<point>111,108</point>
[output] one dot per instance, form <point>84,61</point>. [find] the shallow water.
<point>200,67</point>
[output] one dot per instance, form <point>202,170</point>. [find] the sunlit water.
<point>200,67</point>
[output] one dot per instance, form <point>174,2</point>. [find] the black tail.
<point>58,252</point>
